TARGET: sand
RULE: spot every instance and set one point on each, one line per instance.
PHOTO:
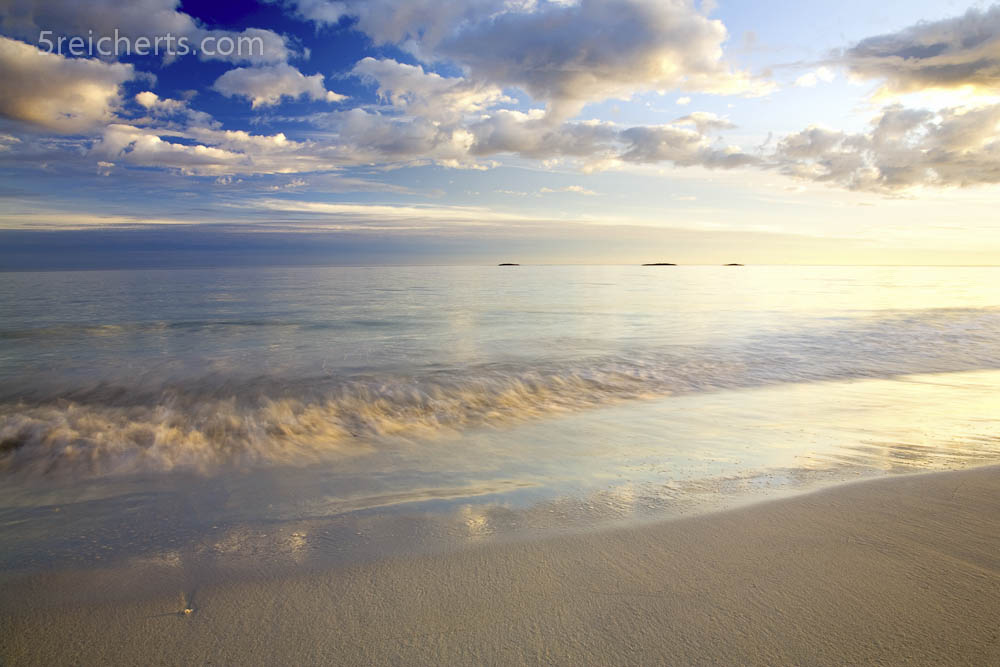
(902, 570)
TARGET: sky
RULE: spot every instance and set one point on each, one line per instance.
(478, 131)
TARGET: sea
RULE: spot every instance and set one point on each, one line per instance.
(241, 422)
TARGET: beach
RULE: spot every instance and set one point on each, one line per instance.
(493, 332)
(902, 570)
(465, 465)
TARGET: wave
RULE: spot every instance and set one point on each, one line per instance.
(210, 422)
(187, 430)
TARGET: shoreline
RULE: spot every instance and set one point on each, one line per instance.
(898, 569)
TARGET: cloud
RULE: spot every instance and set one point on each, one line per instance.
(574, 189)
(206, 151)
(65, 95)
(412, 90)
(682, 146)
(364, 137)
(905, 149)
(705, 122)
(811, 79)
(532, 135)
(595, 145)
(370, 216)
(268, 85)
(146, 148)
(399, 21)
(169, 114)
(683, 101)
(565, 54)
(368, 137)
(8, 141)
(152, 102)
(133, 19)
(953, 53)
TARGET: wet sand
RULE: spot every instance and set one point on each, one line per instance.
(903, 570)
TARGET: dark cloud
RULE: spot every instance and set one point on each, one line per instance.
(956, 52)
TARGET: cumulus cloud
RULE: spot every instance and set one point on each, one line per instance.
(169, 113)
(905, 148)
(399, 21)
(566, 54)
(134, 19)
(412, 90)
(366, 137)
(358, 138)
(211, 151)
(369, 137)
(532, 135)
(66, 95)
(682, 146)
(910, 148)
(146, 148)
(268, 85)
(151, 101)
(686, 142)
(571, 54)
(953, 53)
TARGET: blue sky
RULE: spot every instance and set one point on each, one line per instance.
(569, 131)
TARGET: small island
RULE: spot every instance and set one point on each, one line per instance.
(660, 264)
(508, 264)
(732, 265)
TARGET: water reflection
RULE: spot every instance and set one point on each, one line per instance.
(677, 456)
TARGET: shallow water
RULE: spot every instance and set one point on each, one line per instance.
(287, 417)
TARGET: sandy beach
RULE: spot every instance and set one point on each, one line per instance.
(902, 570)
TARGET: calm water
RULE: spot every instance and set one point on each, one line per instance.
(293, 416)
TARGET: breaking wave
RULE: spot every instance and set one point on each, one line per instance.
(202, 432)
(207, 423)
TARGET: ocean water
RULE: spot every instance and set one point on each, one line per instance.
(285, 417)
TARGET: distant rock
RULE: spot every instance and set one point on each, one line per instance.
(660, 264)
(732, 265)
(508, 264)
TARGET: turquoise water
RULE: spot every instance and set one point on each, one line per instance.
(299, 415)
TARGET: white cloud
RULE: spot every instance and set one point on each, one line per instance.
(8, 141)
(266, 86)
(163, 112)
(811, 79)
(365, 137)
(67, 95)
(905, 149)
(683, 101)
(209, 151)
(412, 90)
(152, 102)
(573, 189)
(350, 215)
(565, 54)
